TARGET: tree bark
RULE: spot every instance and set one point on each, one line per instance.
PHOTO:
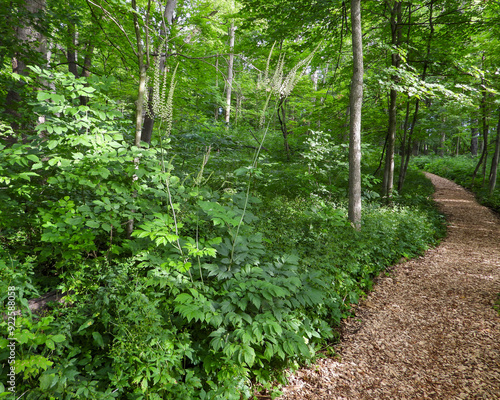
(87, 62)
(474, 140)
(403, 172)
(494, 162)
(405, 149)
(388, 180)
(441, 144)
(230, 73)
(169, 11)
(71, 53)
(282, 119)
(484, 153)
(149, 120)
(149, 117)
(216, 111)
(31, 40)
(356, 102)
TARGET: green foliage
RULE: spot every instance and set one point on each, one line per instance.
(224, 281)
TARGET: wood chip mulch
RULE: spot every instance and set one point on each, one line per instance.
(429, 330)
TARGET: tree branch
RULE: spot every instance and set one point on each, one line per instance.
(108, 14)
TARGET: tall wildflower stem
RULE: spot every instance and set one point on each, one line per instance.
(281, 86)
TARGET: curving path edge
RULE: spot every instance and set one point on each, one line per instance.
(429, 331)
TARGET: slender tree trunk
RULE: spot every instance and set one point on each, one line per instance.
(87, 63)
(149, 120)
(388, 180)
(403, 172)
(139, 109)
(142, 61)
(415, 149)
(149, 117)
(33, 43)
(281, 112)
(169, 13)
(216, 111)
(494, 162)
(405, 149)
(356, 102)
(486, 134)
(230, 73)
(71, 53)
(441, 144)
(405, 144)
(484, 153)
(474, 140)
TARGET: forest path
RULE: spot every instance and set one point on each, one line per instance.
(429, 331)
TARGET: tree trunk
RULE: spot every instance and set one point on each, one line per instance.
(415, 151)
(282, 119)
(494, 162)
(71, 53)
(142, 61)
(216, 111)
(356, 102)
(441, 144)
(149, 120)
(33, 42)
(405, 149)
(139, 108)
(474, 140)
(149, 117)
(484, 152)
(33, 39)
(230, 73)
(87, 62)
(402, 173)
(388, 180)
(169, 11)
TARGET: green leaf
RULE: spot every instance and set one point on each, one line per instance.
(144, 384)
(106, 227)
(85, 325)
(47, 381)
(52, 144)
(183, 298)
(88, 90)
(248, 354)
(269, 352)
(27, 175)
(98, 339)
(50, 344)
(92, 224)
(32, 157)
(41, 96)
(58, 338)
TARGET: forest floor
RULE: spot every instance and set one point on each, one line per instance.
(429, 330)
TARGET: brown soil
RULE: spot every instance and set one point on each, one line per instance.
(429, 331)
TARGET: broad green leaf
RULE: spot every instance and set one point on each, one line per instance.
(58, 338)
(92, 224)
(41, 96)
(98, 338)
(47, 381)
(85, 325)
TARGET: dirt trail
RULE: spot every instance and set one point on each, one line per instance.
(429, 331)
